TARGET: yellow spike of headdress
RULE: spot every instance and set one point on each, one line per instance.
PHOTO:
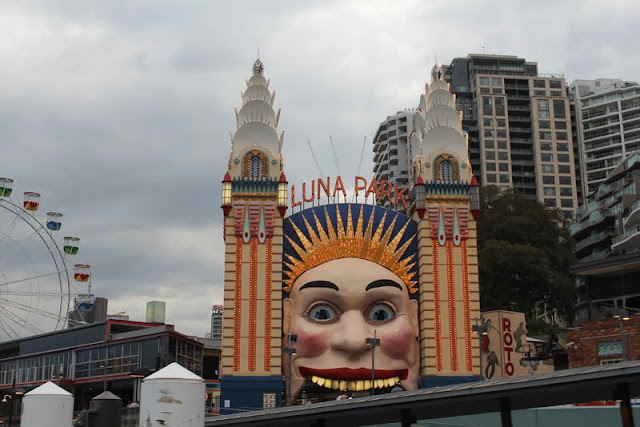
(327, 244)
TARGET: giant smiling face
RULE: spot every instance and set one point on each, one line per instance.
(333, 308)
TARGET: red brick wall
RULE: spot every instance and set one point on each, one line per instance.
(583, 348)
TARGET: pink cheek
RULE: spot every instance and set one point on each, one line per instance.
(311, 344)
(397, 343)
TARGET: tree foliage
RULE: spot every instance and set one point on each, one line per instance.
(524, 252)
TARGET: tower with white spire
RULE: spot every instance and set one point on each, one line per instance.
(446, 206)
(254, 201)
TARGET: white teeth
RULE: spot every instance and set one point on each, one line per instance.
(357, 385)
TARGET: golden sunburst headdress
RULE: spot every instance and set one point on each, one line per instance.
(322, 243)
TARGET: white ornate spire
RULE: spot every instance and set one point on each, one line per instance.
(257, 122)
(438, 129)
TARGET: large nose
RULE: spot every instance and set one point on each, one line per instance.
(351, 337)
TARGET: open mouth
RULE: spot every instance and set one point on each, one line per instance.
(354, 379)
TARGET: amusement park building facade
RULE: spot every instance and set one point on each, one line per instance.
(303, 294)
(103, 355)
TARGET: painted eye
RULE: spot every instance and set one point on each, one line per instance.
(381, 312)
(322, 313)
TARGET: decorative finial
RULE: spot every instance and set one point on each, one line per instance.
(258, 68)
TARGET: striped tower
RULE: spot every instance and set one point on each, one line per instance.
(446, 208)
(254, 198)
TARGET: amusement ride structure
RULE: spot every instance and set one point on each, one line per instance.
(40, 285)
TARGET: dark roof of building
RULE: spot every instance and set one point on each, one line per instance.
(603, 382)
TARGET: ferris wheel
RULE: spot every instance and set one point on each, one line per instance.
(41, 289)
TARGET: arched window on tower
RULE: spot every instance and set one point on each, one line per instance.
(446, 171)
(445, 168)
(255, 167)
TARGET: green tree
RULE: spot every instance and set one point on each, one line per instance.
(524, 252)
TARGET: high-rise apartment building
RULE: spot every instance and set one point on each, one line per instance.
(519, 129)
(391, 152)
(216, 322)
(607, 125)
(518, 124)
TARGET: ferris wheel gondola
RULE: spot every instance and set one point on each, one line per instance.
(37, 284)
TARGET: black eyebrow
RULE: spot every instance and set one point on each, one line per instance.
(319, 284)
(382, 282)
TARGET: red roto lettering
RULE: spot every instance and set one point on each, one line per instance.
(507, 339)
(508, 368)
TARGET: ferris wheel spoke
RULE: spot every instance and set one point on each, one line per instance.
(31, 309)
(19, 248)
(8, 329)
(34, 277)
(24, 323)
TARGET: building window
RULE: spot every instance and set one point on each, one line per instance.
(549, 191)
(555, 84)
(446, 168)
(255, 168)
(562, 147)
(499, 106)
(550, 203)
(545, 135)
(491, 167)
(484, 81)
(504, 178)
(487, 106)
(565, 180)
(562, 136)
(544, 124)
(254, 165)
(502, 145)
(538, 83)
(488, 122)
(488, 143)
(501, 123)
(558, 109)
(566, 191)
(566, 203)
(561, 124)
(543, 108)
(564, 158)
(496, 81)
(546, 157)
(503, 155)
(564, 169)
(545, 146)
(504, 167)
(488, 133)
(547, 168)
(501, 133)
(546, 179)
(490, 155)
(491, 178)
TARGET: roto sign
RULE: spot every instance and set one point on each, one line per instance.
(507, 347)
(381, 189)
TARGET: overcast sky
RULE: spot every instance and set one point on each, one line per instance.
(119, 111)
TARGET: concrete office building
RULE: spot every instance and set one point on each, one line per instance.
(519, 128)
(391, 152)
(607, 125)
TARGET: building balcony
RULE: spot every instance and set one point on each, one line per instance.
(633, 218)
(594, 239)
(596, 256)
(516, 129)
(628, 242)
